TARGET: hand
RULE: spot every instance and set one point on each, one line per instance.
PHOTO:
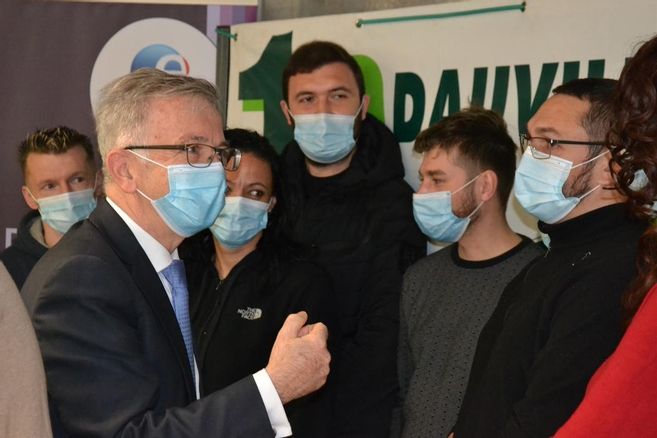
(299, 361)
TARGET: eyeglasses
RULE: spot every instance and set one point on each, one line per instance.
(199, 154)
(541, 147)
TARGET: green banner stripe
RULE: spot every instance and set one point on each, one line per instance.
(373, 85)
(253, 105)
(520, 7)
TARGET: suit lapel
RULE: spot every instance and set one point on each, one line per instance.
(147, 281)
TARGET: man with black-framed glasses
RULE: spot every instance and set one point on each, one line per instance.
(199, 154)
(109, 303)
(559, 319)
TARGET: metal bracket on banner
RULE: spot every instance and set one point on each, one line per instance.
(364, 22)
(225, 34)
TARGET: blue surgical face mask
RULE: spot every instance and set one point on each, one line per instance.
(61, 211)
(325, 138)
(433, 214)
(539, 186)
(239, 221)
(196, 195)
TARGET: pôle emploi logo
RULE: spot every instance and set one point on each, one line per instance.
(162, 57)
(163, 43)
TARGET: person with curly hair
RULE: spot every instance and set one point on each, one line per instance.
(621, 398)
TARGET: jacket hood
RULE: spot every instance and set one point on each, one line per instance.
(25, 251)
(24, 239)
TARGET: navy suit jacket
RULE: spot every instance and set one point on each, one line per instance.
(114, 356)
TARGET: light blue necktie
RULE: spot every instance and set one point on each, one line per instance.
(175, 275)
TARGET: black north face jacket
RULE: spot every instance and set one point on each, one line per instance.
(358, 225)
(235, 320)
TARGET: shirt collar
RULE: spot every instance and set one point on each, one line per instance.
(157, 254)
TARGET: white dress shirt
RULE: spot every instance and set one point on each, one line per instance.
(160, 258)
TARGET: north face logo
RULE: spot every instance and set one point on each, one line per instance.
(250, 313)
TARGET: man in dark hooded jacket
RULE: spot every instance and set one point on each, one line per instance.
(60, 176)
(351, 209)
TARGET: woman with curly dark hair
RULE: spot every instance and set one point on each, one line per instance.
(621, 398)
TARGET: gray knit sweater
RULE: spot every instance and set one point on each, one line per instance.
(444, 305)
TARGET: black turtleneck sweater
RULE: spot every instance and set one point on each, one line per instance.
(556, 322)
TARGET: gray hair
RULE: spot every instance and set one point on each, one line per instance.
(123, 104)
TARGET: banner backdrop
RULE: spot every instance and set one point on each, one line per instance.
(418, 71)
(56, 54)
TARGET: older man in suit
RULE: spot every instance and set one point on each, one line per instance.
(109, 303)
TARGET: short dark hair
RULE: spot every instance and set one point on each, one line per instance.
(315, 54)
(600, 94)
(56, 140)
(250, 142)
(483, 143)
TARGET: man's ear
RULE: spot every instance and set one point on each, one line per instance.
(121, 170)
(605, 177)
(487, 185)
(286, 112)
(99, 190)
(27, 197)
(365, 107)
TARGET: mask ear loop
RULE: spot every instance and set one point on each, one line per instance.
(475, 210)
(466, 184)
(270, 204)
(592, 159)
(154, 162)
(360, 107)
(147, 159)
(589, 192)
(29, 192)
(585, 162)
